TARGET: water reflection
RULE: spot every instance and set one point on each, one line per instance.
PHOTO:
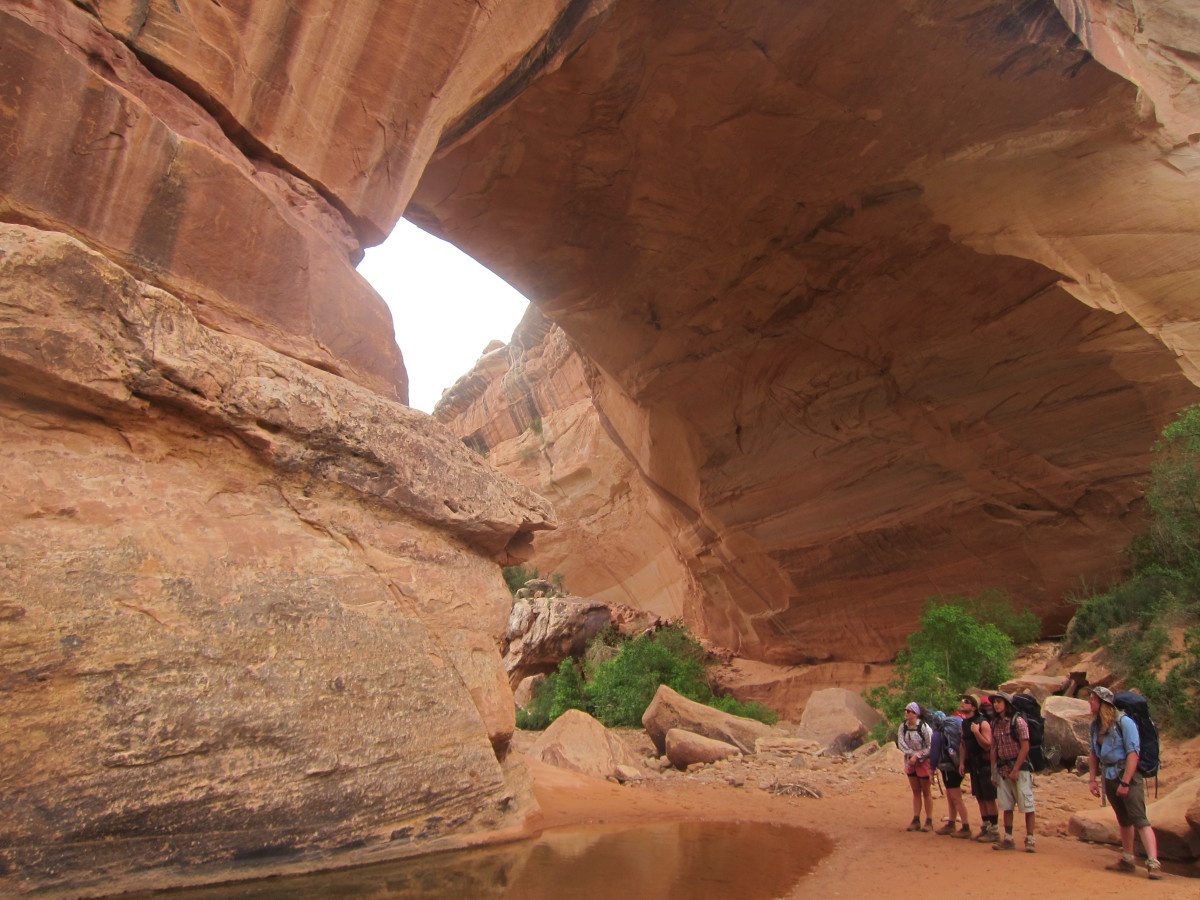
(672, 861)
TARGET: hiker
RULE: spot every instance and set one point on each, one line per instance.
(1012, 772)
(914, 739)
(976, 759)
(1116, 745)
(946, 758)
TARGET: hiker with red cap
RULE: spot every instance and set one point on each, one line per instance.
(976, 759)
(1116, 745)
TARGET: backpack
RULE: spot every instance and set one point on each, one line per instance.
(950, 729)
(1025, 706)
(1137, 708)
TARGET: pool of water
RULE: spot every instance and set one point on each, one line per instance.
(668, 861)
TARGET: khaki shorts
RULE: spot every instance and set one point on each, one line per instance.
(1017, 796)
(1130, 809)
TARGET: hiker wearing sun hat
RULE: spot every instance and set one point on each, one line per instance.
(1011, 771)
(1115, 746)
(915, 738)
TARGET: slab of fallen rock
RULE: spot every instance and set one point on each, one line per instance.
(1177, 839)
(543, 631)
(577, 741)
(669, 709)
(837, 719)
(1040, 686)
(1068, 725)
(683, 748)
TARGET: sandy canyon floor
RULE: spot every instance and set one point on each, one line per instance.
(865, 809)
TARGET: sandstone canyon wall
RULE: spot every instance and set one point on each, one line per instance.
(528, 406)
(250, 603)
(819, 265)
(883, 300)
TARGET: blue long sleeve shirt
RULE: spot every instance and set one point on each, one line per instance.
(1118, 742)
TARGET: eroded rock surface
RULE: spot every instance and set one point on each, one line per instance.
(249, 609)
(827, 264)
(529, 406)
(821, 268)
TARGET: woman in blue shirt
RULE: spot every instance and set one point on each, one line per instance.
(1115, 747)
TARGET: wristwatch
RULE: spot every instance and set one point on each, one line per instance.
(1125, 783)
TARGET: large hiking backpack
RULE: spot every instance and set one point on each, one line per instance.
(1027, 707)
(950, 728)
(1137, 708)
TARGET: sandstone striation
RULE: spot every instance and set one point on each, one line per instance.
(249, 609)
(529, 407)
(826, 266)
(853, 303)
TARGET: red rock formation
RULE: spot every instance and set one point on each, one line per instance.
(243, 600)
(529, 407)
(826, 264)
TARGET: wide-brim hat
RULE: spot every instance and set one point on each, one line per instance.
(1000, 695)
(1104, 695)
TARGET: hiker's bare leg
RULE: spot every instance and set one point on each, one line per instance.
(954, 799)
(914, 784)
(1149, 841)
(1029, 823)
(1127, 840)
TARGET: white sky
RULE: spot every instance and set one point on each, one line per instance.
(446, 307)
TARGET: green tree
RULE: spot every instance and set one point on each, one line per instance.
(950, 652)
(1173, 495)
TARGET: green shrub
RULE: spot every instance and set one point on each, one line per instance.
(536, 716)
(569, 691)
(620, 677)
(1161, 590)
(621, 688)
(949, 653)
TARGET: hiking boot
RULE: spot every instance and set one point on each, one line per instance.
(1030, 844)
(964, 833)
(1154, 869)
(1123, 865)
(915, 824)
(928, 825)
(948, 828)
(988, 834)
(1004, 843)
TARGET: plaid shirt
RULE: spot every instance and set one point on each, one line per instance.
(1002, 739)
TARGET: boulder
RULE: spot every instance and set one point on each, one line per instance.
(1096, 825)
(1177, 838)
(577, 741)
(1193, 813)
(684, 748)
(1090, 670)
(524, 691)
(670, 710)
(1040, 686)
(837, 719)
(543, 631)
(1068, 723)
